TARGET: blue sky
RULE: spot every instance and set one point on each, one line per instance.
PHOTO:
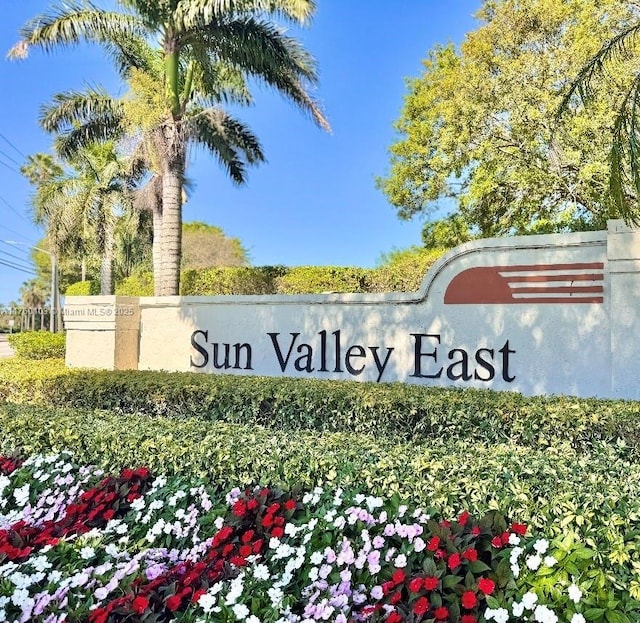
(314, 202)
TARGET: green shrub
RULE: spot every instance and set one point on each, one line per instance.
(393, 410)
(230, 280)
(139, 284)
(403, 271)
(38, 344)
(83, 288)
(319, 279)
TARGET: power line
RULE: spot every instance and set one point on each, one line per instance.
(15, 257)
(13, 232)
(4, 164)
(6, 140)
(22, 270)
(8, 157)
(16, 248)
(11, 207)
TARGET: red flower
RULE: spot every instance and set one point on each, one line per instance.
(468, 618)
(199, 593)
(290, 505)
(252, 504)
(394, 617)
(454, 561)
(239, 508)
(127, 474)
(238, 561)
(387, 587)
(274, 508)
(469, 600)
(398, 576)
(441, 613)
(277, 532)
(476, 531)
(504, 537)
(267, 521)
(108, 514)
(464, 517)
(173, 603)
(416, 584)
(140, 604)
(433, 544)
(245, 550)
(496, 541)
(421, 606)
(247, 536)
(395, 598)
(431, 583)
(486, 585)
(470, 554)
(519, 528)
(142, 472)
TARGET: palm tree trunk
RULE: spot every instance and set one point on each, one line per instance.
(106, 263)
(157, 250)
(171, 239)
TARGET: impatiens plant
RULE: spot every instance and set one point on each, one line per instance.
(134, 547)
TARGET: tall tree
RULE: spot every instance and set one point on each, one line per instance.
(201, 43)
(479, 125)
(79, 205)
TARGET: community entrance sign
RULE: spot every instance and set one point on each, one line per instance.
(552, 314)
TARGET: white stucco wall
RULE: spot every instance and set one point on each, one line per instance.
(553, 314)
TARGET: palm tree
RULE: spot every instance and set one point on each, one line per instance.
(80, 206)
(612, 61)
(34, 296)
(205, 46)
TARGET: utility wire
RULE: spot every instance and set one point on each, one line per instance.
(6, 140)
(11, 159)
(13, 232)
(15, 257)
(4, 164)
(11, 265)
(12, 208)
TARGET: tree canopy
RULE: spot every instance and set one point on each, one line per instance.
(479, 126)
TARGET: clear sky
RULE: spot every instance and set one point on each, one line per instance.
(314, 202)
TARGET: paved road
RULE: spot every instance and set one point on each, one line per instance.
(5, 349)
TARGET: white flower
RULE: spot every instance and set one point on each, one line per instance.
(518, 609)
(400, 561)
(577, 618)
(514, 539)
(550, 561)
(275, 595)
(500, 615)
(240, 611)
(533, 562)
(261, 572)
(86, 553)
(419, 544)
(542, 614)
(541, 546)
(316, 558)
(529, 600)
(575, 594)
(253, 619)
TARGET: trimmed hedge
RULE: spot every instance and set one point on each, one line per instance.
(558, 488)
(393, 410)
(37, 344)
(404, 274)
(83, 288)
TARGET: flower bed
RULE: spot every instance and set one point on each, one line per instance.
(79, 545)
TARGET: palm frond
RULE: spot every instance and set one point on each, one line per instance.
(73, 108)
(231, 141)
(625, 155)
(620, 47)
(72, 22)
(262, 51)
(129, 52)
(191, 14)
